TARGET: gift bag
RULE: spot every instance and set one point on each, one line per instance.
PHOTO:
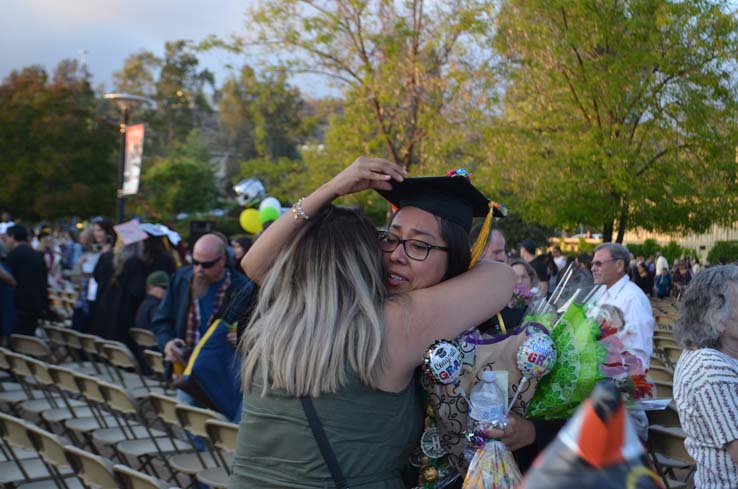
(213, 373)
(450, 401)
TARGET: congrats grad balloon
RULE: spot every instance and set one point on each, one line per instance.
(442, 362)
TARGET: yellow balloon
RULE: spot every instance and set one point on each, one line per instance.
(250, 221)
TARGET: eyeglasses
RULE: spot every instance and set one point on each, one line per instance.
(206, 264)
(598, 263)
(414, 248)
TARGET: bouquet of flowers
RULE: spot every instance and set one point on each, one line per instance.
(588, 350)
(522, 296)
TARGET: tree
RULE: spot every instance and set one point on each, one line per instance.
(181, 182)
(619, 112)
(180, 92)
(260, 117)
(56, 157)
(138, 75)
(412, 73)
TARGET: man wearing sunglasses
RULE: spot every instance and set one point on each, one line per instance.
(610, 268)
(197, 295)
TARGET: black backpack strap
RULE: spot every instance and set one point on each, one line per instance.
(323, 445)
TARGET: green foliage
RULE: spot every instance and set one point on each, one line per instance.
(57, 158)
(415, 75)
(260, 117)
(727, 249)
(585, 247)
(517, 230)
(176, 85)
(181, 182)
(616, 112)
(672, 251)
(648, 248)
(283, 178)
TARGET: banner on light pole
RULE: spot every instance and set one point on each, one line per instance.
(134, 155)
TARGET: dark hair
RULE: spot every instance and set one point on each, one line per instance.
(457, 241)
(107, 226)
(244, 242)
(18, 233)
(153, 249)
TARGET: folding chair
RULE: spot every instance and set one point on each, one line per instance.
(7, 379)
(85, 419)
(657, 361)
(666, 446)
(142, 441)
(98, 364)
(122, 359)
(109, 428)
(660, 373)
(155, 361)
(32, 396)
(50, 448)
(73, 344)
(57, 343)
(133, 479)
(144, 338)
(664, 389)
(14, 435)
(668, 417)
(223, 437)
(60, 406)
(192, 420)
(672, 355)
(30, 346)
(95, 471)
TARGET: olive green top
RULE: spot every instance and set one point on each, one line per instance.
(372, 433)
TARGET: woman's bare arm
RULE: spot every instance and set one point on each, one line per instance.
(364, 173)
(443, 312)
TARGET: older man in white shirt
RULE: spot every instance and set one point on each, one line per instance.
(609, 268)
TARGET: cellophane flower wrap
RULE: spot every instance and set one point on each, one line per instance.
(576, 371)
(588, 350)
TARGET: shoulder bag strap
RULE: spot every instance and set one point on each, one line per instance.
(323, 445)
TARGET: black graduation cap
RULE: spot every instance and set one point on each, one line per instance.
(452, 197)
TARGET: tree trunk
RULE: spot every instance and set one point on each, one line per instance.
(622, 224)
(607, 231)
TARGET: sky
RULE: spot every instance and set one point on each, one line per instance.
(43, 32)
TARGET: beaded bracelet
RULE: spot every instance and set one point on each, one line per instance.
(298, 212)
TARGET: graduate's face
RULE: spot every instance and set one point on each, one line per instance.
(405, 274)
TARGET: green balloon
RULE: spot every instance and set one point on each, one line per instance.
(268, 214)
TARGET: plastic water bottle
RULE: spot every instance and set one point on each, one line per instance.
(487, 408)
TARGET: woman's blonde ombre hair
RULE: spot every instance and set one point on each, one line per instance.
(320, 310)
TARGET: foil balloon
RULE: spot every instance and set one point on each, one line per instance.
(536, 356)
(442, 362)
(249, 191)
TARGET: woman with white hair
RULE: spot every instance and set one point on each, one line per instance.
(706, 376)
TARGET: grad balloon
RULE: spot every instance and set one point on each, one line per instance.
(250, 222)
(268, 214)
(249, 191)
(270, 202)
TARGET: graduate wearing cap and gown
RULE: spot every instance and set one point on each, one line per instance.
(372, 430)
(453, 202)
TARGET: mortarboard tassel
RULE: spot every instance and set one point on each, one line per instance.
(481, 241)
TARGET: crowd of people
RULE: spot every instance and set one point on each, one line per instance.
(332, 318)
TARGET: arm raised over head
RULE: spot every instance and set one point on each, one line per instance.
(364, 173)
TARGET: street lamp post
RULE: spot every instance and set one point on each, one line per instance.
(126, 103)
